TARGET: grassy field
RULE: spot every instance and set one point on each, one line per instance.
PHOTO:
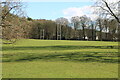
(60, 59)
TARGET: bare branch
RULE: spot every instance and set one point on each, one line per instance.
(104, 9)
(3, 17)
(112, 13)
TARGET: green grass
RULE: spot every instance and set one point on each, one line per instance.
(31, 58)
(59, 69)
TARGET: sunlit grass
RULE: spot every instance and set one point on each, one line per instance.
(59, 69)
(60, 59)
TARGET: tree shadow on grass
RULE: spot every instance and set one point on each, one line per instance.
(75, 56)
(63, 47)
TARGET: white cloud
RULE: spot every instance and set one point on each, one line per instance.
(79, 11)
(56, 0)
(73, 11)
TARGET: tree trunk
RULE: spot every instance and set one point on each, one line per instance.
(100, 26)
(100, 34)
(92, 33)
(83, 31)
(119, 32)
(56, 32)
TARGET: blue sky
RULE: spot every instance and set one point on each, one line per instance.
(54, 10)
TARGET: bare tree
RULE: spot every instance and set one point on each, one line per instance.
(112, 29)
(105, 23)
(109, 6)
(11, 9)
(60, 22)
(76, 23)
(84, 21)
(101, 27)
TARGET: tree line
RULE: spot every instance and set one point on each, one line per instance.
(80, 28)
(15, 26)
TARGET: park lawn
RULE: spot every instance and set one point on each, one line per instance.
(29, 58)
(59, 69)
